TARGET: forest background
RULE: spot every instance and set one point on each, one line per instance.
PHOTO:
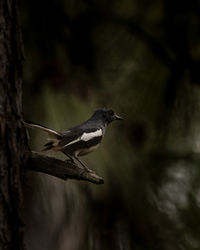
(142, 59)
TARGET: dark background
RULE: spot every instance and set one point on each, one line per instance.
(142, 59)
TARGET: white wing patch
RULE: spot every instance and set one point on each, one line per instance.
(72, 142)
(86, 137)
(91, 135)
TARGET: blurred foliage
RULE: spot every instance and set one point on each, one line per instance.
(142, 59)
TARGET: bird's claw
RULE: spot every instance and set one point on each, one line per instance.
(71, 163)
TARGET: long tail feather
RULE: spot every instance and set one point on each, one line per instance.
(48, 146)
(52, 133)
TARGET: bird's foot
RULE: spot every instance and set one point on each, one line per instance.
(83, 165)
(71, 163)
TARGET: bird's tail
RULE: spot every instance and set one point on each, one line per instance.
(53, 135)
(48, 146)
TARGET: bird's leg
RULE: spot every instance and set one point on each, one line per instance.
(71, 160)
(70, 157)
(86, 168)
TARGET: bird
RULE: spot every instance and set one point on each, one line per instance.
(81, 139)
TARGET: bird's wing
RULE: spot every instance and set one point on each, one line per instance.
(78, 134)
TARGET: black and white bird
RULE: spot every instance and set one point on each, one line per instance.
(81, 139)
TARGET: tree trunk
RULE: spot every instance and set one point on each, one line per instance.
(12, 134)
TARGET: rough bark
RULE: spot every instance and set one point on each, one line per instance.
(13, 141)
(12, 133)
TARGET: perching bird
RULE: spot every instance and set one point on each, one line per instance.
(81, 139)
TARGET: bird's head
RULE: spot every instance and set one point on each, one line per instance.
(106, 115)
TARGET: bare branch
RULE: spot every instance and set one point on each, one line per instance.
(61, 169)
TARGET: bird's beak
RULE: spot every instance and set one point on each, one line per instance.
(117, 117)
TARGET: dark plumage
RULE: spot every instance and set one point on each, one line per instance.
(81, 139)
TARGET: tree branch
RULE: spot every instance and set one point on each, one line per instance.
(61, 169)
